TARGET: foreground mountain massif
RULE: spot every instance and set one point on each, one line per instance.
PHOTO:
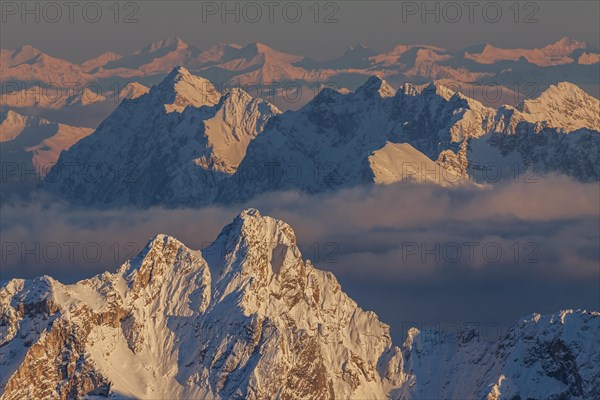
(248, 317)
(183, 143)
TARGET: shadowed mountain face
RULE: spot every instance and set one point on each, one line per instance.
(173, 145)
(185, 144)
(248, 317)
(29, 147)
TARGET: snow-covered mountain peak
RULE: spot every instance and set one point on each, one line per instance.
(429, 89)
(359, 50)
(254, 332)
(100, 61)
(12, 122)
(441, 90)
(218, 52)
(267, 54)
(261, 47)
(179, 73)
(250, 227)
(236, 95)
(269, 326)
(564, 106)
(158, 261)
(252, 255)
(409, 89)
(85, 98)
(563, 90)
(376, 86)
(182, 131)
(171, 43)
(24, 53)
(238, 101)
(401, 162)
(133, 90)
(568, 44)
(180, 88)
(159, 243)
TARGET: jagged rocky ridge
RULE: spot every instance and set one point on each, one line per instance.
(247, 317)
(184, 143)
(330, 140)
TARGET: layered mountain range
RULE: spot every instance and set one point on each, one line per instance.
(184, 143)
(291, 80)
(248, 317)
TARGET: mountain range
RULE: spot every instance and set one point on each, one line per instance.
(248, 317)
(291, 80)
(184, 143)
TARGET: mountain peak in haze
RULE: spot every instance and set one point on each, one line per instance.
(376, 85)
(26, 50)
(357, 48)
(171, 43)
(564, 106)
(133, 90)
(558, 53)
(567, 42)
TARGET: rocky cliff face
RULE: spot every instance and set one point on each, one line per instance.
(248, 317)
(244, 318)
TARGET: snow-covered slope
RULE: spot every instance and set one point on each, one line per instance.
(541, 357)
(400, 162)
(171, 146)
(248, 317)
(329, 143)
(564, 106)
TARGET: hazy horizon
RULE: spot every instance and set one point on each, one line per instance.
(343, 24)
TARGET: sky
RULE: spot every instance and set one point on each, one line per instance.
(320, 32)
